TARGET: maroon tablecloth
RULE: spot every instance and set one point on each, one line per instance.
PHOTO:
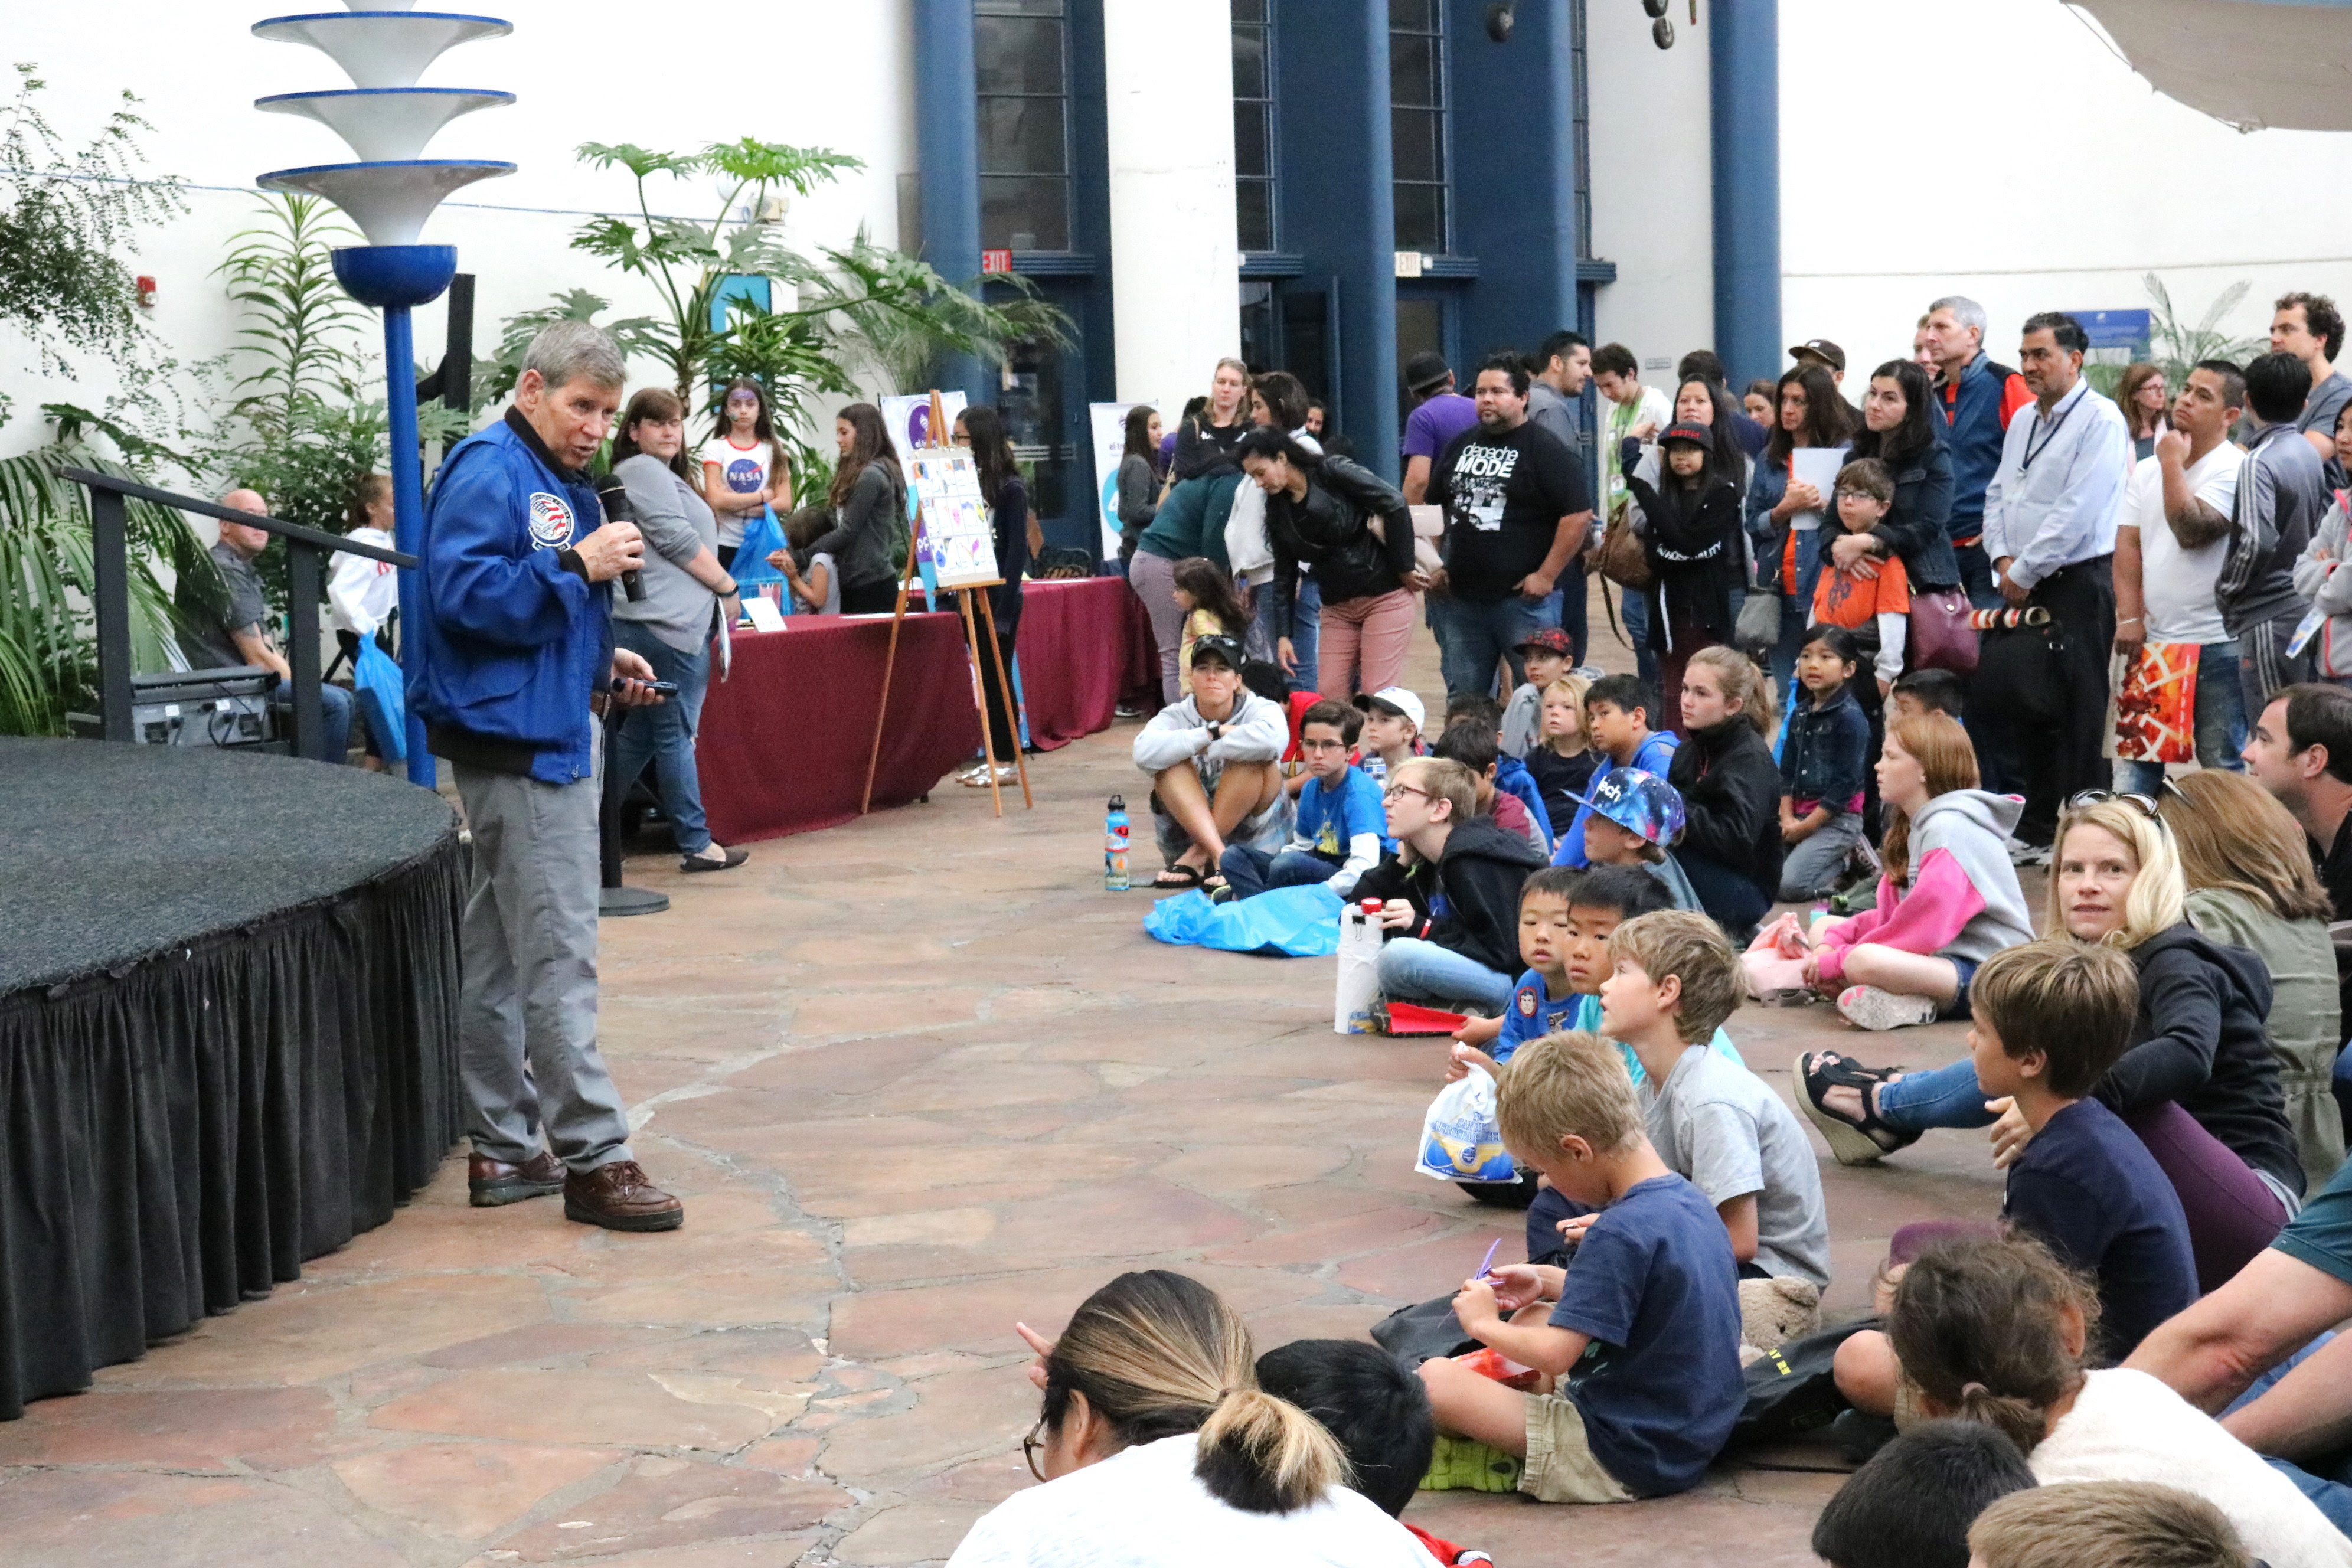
(1085, 644)
(783, 742)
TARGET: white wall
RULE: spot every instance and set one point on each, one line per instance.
(814, 74)
(1999, 148)
(1653, 207)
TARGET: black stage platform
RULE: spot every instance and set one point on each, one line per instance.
(228, 1000)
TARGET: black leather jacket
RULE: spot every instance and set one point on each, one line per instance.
(1329, 532)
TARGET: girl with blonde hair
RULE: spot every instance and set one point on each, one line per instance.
(2200, 1083)
(1730, 847)
(1947, 899)
(1156, 1446)
(2250, 884)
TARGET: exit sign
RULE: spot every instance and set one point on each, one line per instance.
(996, 261)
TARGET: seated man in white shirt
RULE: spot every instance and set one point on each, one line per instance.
(2169, 547)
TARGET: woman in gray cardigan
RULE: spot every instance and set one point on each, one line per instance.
(686, 592)
(870, 494)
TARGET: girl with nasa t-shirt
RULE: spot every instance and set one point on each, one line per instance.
(743, 465)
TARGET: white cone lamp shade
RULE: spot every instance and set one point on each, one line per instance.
(390, 201)
(385, 124)
(382, 49)
(380, 5)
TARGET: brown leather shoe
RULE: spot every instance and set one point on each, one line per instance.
(619, 1197)
(490, 1183)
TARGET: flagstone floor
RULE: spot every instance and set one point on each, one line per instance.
(918, 1077)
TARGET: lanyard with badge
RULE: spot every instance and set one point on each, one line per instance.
(2026, 465)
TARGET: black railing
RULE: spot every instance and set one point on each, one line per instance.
(109, 555)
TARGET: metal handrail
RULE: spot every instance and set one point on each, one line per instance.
(110, 595)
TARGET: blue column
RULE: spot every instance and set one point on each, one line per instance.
(1331, 100)
(1744, 90)
(407, 509)
(946, 140)
(1516, 215)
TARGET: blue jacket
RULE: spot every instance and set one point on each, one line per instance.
(1511, 776)
(1766, 538)
(1977, 434)
(1826, 749)
(514, 638)
(1655, 755)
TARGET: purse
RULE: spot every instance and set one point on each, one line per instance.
(1625, 560)
(1758, 630)
(1943, 635)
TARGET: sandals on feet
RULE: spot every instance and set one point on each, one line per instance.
(1186, 878)
(1856, 1140)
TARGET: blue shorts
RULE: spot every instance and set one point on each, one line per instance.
(1966, 967)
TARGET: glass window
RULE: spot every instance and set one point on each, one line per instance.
(1417, 123)
(1252, 126)
(1021, 78)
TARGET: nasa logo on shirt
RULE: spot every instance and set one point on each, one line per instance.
(745, 475)
(1526, 1001)
(551, 522)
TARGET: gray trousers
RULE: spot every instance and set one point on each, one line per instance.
(1811, 870)
(527, 1027)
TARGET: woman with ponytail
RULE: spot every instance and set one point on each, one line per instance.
(1158, 1448)
(1994, 1330)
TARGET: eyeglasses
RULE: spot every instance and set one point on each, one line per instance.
(1397, 792)
(1034, 1445)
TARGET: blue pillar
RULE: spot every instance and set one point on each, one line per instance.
(1338, 212)
(946, 142)
(407, 509)
(1744, 93)
(1516, 215)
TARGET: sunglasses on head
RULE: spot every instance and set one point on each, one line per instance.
(2146, 804)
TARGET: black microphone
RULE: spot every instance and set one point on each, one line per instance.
(618, 509)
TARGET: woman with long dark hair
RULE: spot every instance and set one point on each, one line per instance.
(1139, 479)
(743, 466)
(869, 492)
(1901, 429)
(1318, 513)
(687, 591)
(1809, 414)
(981, 428)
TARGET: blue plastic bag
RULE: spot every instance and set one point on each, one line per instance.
(761, 538)
(377, 683)
(1287, 922)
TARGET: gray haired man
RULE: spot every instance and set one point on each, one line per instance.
(519, 664)
(1979, 399)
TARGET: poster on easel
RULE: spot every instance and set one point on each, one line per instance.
(909, 421)
(956, 535)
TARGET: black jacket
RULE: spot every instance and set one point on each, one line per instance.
(1329, 532)
(1480, 874)
(1693, 546)
(2212, 1050)
(1731, 801)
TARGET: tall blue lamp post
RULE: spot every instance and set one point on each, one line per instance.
(387, 120)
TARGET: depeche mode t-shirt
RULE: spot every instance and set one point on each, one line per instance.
(1504, 493)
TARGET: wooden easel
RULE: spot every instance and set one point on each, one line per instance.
(966, 595)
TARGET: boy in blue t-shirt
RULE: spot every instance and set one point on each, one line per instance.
(1617, 711)
(2084, 1185)
(1641, 1328)
(1336, 835)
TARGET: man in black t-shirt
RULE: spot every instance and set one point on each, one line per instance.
(1517, 508)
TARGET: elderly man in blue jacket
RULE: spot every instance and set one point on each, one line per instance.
(515, 625)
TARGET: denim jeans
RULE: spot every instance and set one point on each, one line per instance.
(1249, 872)
(664, 734)
(334, 741)
(1634, 611)
(1940, 1097)
(1976, 576)
(1568, 607)
(1473, 636)
(2326, 1479)
(2220, 721)
(1811, 870)
(1412, 970)
(1797, 608)
(1306, 623)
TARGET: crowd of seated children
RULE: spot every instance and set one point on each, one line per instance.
(1546, 655)
(1618, 710)
(1470, 741)
(1337, 826)
(1653, 1279)
(1393, 720)
(1561, 762)
(1948, 898)
(1824, 758)
(1213, 758)
(1204, 593)
(1450, 896)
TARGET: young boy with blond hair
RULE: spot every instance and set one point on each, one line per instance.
(1649, 1292)
(1673, 979)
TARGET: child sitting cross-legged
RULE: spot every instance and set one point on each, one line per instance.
(1393, 717)
(1450, 897)
(1377, 1410)
(1619, 714)
(1649, 1293)
(1997, 1331)
(1630, 818)
(1336, 835)
(1546, 656)
(1822, 764)
(1561, 762)
(1673, 979)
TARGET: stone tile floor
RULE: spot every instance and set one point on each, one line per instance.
(918, 1077)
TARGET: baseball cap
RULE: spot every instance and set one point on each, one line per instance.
(1822, 348)
(1697, 435)
(1425, 370)
(1551, 640)
(1396, 699)
(1639, 803)
(1223, 648)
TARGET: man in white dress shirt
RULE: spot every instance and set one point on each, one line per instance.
(2050, 529)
